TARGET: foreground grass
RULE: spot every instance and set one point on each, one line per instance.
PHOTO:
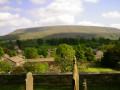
(95, 69)
(22, 87)
(100, 69)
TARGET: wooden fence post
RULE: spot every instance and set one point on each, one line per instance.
(29, 81)
(75, 75)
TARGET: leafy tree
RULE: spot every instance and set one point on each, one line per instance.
(1, 52)
(80, 54)
(90, 55)
(14, 53)
(41, 68)
(5, 66)
(42, 51)
(8, 51)
(111, 57)
(65, 54)
(40, 41)
(31, 53)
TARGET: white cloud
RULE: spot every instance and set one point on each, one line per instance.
(10, 22)
(4, 1)
(58, 7)
(58, 12)
(7, 8)
(89, 23)
(115, 25)
(38, 1)
(92, 1)
(58, 20)
(113, 14)
(19, 2)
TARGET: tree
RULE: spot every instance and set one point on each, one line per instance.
(80, 54)
(40, 41)
(1, 52)
(31, 53)
(65, 52)
(111, 57)
(89, 54)
(42, 51)
(8, 51)
(64, 56)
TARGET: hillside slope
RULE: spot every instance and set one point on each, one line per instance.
(64, 32)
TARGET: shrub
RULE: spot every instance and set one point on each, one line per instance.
(29, 66)
(5, 66)
(18, 70)
(1, 52)
(41, 68)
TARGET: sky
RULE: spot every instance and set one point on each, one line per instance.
(17, 14)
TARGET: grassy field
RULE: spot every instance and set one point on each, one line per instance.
(99, 69)
(95, 69)
(21, 87)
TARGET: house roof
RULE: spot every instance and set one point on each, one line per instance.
(16, 59)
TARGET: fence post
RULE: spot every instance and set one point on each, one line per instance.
(75, 75)
(85, 84)
(29, 81)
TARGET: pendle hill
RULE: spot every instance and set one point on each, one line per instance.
(70, 31)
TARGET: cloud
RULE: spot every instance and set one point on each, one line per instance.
(58, 7)
(89, 23)
(4, 1)
(19, 2)
(10, 22)
(113, 14)
(58, 12)
(38, 1)
(7, 8)
(92, 1)
(58, 20)
(115, 25)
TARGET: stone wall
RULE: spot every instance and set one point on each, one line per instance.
(64, 79)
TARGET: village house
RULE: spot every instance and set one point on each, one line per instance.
(16, 61)
(99, 54)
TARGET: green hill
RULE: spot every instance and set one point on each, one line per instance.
(64, 32)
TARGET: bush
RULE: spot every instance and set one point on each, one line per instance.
(18, 70)
(41, 68)
(5, 66)
(29, 66)
(1, 52)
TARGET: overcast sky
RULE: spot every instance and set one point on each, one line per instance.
(16, 14)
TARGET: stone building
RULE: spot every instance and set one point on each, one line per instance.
(16, 61)
(99, 54)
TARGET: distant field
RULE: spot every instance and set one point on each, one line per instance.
(64, 32)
